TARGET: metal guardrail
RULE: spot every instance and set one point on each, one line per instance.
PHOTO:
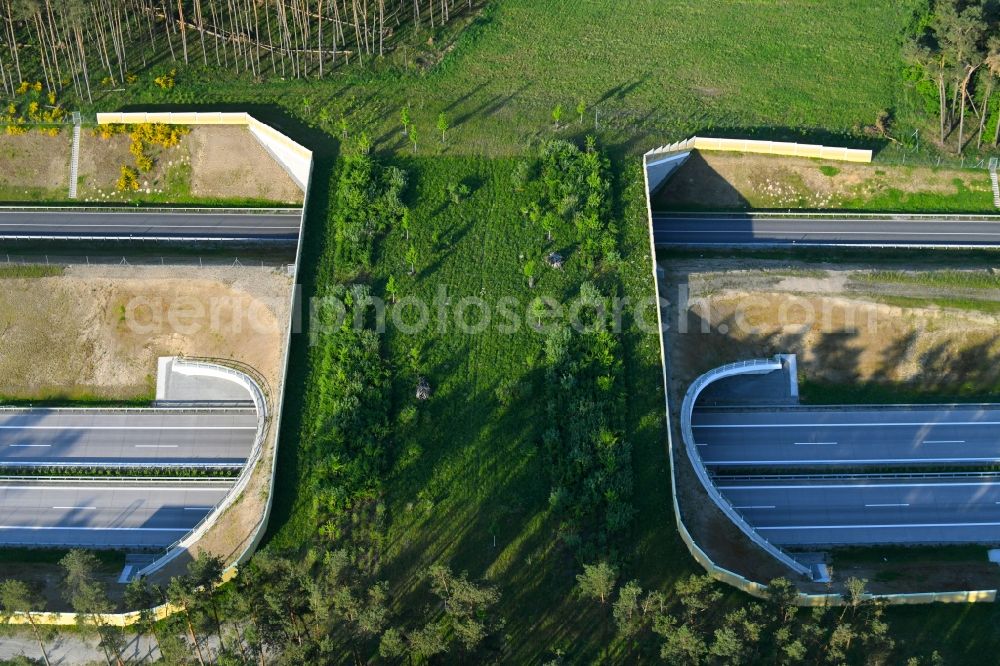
(958, 217)
(120, 467)
(117, 480)
(690, 398)
(888, 476)
(717, 572)
(138, 209)
(148, 261)
(126, 410)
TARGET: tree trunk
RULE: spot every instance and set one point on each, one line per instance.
(986, 108)
(941, 103)
(963, 92)
(170, 28)
(201, 30)
(194, 639)
(38, 637)
(180, 16)
(83, 59)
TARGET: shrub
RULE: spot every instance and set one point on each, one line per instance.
(367, 202)
(128, 181)
(166, 81)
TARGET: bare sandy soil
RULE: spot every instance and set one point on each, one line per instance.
(737, 180)
(229, 162)
(101, 161)
(97, 331)
(34, 165)
(841, 335)
(211, 162)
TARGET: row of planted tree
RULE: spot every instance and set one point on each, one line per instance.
(953, 58)
(82, 42)
(321, 609)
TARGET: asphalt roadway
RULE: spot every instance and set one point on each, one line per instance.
(883, 436)
(151, 224)
(684, 229)
(104, 514)
(158, 436)
(867, 511)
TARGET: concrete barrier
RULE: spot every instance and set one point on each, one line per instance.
(294, 158)
(788, 149)
(754, 367)
(722, 574)
(200, 368)
(165, 610)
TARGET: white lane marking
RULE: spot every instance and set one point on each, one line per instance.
(69, 427)
(865, 485)
(117, 487)
(943, 441)
(89, 508)
(815, 443)
(99, 529)
(147, 225)
(848, 460)
(807, 232)
(30, 446)
(282, 211)
(156, 446)
(889, 504)
(846, 425)
(854, 527)
(709, 216)
(756, 506)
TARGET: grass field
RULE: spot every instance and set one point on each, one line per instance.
(469, 485)
(946, 278)
(687, 70)
(823, 393)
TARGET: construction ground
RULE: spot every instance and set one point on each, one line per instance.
(928, 335)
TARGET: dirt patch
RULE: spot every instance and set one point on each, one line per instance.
(34, 165)
(210, 163)
(229, 162)
(738, 180)
(101, 161)
(841, 335)
(97, 331)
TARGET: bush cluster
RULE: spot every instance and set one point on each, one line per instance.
(590, 461)
(142, 137)
(367, 203)
(347, 428)
(32, 105)
(576, 189)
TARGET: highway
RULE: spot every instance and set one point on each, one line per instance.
(109, 514)
(685, 229)
(783, 436)
(160, 436)
(868, 511)
(151, 224)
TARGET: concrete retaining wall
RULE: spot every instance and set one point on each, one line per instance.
(787, 149)
(754, 367)
(719, 573)
(198, 368)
